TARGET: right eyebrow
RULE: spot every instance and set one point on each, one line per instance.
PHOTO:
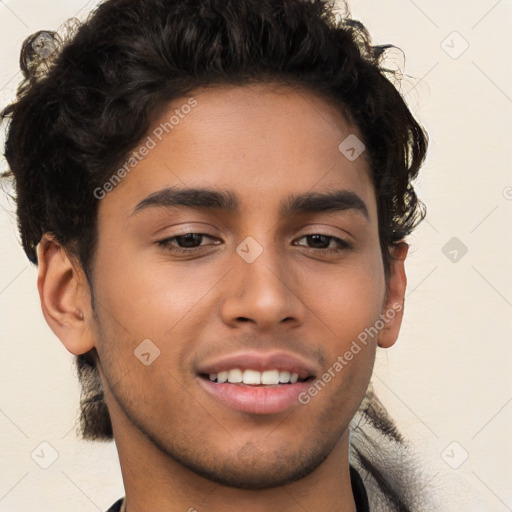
(190, 198)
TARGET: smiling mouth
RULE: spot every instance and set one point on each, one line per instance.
(267, 390)
(267, 378)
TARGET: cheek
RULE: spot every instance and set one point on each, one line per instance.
(349, 298)
(147, 296)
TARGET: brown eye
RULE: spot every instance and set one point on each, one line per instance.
(186, 243)
(322, 243)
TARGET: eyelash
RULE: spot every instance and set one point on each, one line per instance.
(166, 244)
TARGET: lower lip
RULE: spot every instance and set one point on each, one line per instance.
(256, 399)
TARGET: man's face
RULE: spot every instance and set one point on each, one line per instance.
(269, 291)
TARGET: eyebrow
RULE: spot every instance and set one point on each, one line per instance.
(206, 198)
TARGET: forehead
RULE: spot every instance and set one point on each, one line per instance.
(261, 142)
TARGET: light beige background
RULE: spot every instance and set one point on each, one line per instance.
(447, 380)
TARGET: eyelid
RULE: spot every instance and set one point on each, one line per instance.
(187, 227)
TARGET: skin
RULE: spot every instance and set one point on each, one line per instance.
(178, 447)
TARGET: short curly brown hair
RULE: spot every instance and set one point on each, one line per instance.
(85, 103)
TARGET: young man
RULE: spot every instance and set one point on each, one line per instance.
(217, 194)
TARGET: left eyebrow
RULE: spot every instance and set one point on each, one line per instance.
(337, 200)
(205, 198)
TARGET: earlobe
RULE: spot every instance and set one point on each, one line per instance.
(65, 296)
(392, 312)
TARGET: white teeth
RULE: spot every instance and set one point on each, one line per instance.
(270, 377)
(284, 377)
(235, 376)
(222, 377)
(254, 377)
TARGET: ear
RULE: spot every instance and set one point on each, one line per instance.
(392, 312)
(65, 296)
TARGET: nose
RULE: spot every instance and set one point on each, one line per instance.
(263, 289)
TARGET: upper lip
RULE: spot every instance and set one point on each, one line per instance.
(261, 361)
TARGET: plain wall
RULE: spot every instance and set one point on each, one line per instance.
(448, 379)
